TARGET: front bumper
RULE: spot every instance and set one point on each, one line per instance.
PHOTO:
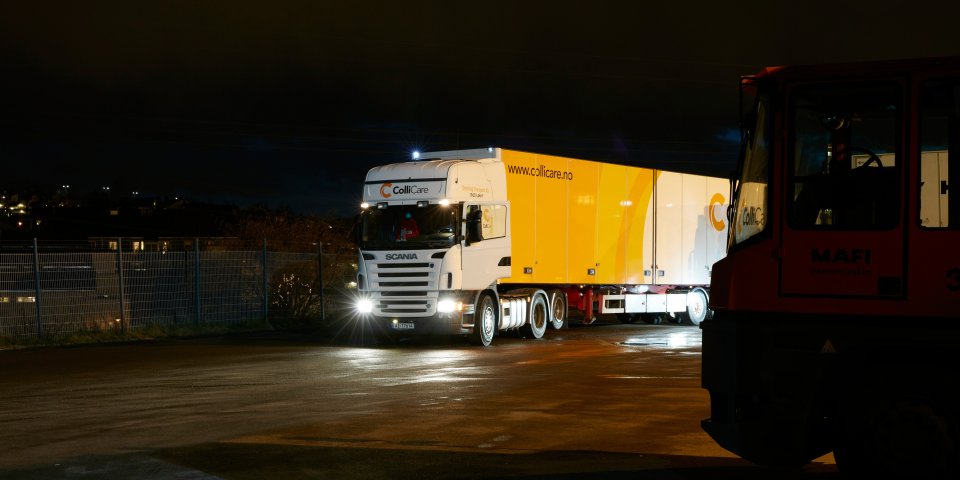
(455, 323)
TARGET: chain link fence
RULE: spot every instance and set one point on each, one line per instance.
(54, 290)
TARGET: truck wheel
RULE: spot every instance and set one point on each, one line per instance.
(537, 320)
(697, 307)
(907, 439)
(897, 415)
(628, 317)
(653, 318)
(558, 310)
(485, 321)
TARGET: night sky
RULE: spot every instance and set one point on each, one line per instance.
(289, 103)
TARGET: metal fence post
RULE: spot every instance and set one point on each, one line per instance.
(36, 281)
(123, 317)
(196, 279)
(266, 283)
(323, 312)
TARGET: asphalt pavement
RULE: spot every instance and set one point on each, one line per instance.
(603, 401)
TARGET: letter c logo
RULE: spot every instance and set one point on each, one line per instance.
(383, 188)
(716, 200)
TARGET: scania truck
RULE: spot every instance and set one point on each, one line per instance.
(837, 305)
(477, 242)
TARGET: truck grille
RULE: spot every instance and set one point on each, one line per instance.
(402, 289)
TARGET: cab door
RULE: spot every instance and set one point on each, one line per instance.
(486, 259)
(935, 236)
(844, 232)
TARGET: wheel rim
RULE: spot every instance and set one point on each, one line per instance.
(698, 308)
(540, 316)
(487, 319)
(559, 312)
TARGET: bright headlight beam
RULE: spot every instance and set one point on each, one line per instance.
(446, 306)
(364, 306)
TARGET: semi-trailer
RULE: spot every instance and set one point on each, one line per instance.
(476, 242)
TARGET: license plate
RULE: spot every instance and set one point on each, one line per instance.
(403, 326)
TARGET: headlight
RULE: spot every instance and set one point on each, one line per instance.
(446, 306)
(364, 305)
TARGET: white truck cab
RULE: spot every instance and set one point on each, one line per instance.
(422, 225)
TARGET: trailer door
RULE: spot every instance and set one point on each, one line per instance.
(843, 235)
(668, 254)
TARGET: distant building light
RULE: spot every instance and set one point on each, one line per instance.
(26, 299)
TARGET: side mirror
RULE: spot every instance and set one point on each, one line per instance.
(474, 227)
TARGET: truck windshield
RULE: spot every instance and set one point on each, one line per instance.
(408, 227)
(750, 201)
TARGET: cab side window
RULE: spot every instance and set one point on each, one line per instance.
(494, 221)
(939, 139)
(845, 172)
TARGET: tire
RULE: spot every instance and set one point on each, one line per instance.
(538, 318)
(653, 318)
(902, 440)
(485, 321)
(898, 415)
(558, 310)
(697, 308)
(628, 317)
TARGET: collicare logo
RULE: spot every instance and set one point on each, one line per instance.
(383, 190)
(717, 200)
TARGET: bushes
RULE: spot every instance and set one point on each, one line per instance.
(295, 296)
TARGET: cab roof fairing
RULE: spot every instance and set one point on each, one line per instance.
(433, 180)
(862, 69)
